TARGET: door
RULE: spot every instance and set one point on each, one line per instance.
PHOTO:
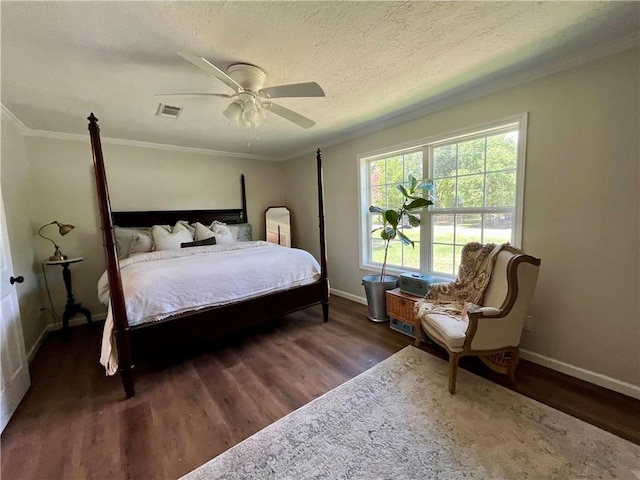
(14, 369)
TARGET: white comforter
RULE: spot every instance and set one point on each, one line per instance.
(157, 285)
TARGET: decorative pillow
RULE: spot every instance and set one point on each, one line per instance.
(202, 232)
(124, 238)
(188, 226)
(141, 243)
(222, 232)
(170, 241)
(199, 243)
(242, 232)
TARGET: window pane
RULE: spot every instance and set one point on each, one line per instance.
(395, 170)
(445, 192)
(444, 161)
(394, 197)
(443, 228)
(501, 189)
(377, 249)
(498, 227)
(471, 156)
(394, 257)
(376, 222)
(442, 258)
(412, 255)
(468, 228)
(502, 151)
(413, 165)
(377, 173)
(471, 191)
(378, 196)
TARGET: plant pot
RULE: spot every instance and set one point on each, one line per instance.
(375, 289)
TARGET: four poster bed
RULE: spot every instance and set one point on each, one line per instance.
(134, 340)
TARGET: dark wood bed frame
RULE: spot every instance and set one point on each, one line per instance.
(194, 327)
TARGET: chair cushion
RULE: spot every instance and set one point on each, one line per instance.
(451, 330)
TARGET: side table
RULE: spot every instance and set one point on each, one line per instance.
(400, 308)
(71, 308)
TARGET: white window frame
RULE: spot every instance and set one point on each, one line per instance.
(518, 121)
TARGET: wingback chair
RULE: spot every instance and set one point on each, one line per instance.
(495, 327)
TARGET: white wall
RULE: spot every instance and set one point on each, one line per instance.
(580, 212)
(16, 190)
(61, 173)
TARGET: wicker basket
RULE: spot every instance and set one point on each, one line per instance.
(401, 308)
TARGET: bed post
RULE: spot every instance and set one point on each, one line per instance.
(244, 200)
(121, 332)
(324, 276)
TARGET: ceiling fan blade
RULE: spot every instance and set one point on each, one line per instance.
(290, 115)
(211, 69)
(309, 89)
(224, 95)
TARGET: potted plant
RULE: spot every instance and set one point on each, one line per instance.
(393, 222)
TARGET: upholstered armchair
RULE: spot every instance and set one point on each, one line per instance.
(496, 326)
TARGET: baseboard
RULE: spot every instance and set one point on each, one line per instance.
(348, 296)
(586, 375)
(79, 320)
(36, 346)
(52, 327)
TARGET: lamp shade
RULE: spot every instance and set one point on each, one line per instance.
(234, 113)
(63, 229)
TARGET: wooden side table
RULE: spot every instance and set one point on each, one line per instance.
(71, 308)
(400, 307)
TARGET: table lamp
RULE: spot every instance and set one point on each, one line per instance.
(63, 229)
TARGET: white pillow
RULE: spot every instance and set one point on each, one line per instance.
(141, 243)
(202, 232)
(170, 241)
(222, 233)
(188, 226)
(241, 232)
(124, 239)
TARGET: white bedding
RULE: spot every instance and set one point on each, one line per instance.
(157, 285)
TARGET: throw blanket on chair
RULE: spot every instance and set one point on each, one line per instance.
(473, 277)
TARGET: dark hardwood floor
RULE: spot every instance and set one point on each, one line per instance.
(74, 422)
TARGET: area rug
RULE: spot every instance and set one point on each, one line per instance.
(398, 421)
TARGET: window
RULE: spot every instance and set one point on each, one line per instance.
(478, 190)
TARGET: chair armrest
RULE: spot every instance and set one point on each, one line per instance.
(484, 311)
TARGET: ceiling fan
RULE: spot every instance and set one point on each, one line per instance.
(251, 99)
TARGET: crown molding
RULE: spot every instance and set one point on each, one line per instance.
(128, 143)
(136, 143)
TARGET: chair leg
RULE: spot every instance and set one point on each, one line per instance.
(514, 359)
(417, 327)
(453, 371)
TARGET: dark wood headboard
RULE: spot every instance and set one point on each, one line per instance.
(170, 217)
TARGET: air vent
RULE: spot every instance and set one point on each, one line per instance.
(168, 111)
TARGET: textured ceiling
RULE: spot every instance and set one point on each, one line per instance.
(378, 62)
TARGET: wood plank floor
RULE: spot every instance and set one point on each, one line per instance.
(74, 423)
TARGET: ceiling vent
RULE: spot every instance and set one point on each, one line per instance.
(168, 111)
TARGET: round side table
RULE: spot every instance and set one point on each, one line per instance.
(71, 308)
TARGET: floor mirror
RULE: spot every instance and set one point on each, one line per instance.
(278, 225)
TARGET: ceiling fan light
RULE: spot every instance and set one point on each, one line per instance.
(234, 113)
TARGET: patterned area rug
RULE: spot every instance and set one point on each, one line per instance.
(398, 421)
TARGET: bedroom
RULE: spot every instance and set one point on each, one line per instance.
(583, 113)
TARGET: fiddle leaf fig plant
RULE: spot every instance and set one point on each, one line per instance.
(393, 218)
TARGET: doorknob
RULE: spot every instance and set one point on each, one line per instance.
(19, 279)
